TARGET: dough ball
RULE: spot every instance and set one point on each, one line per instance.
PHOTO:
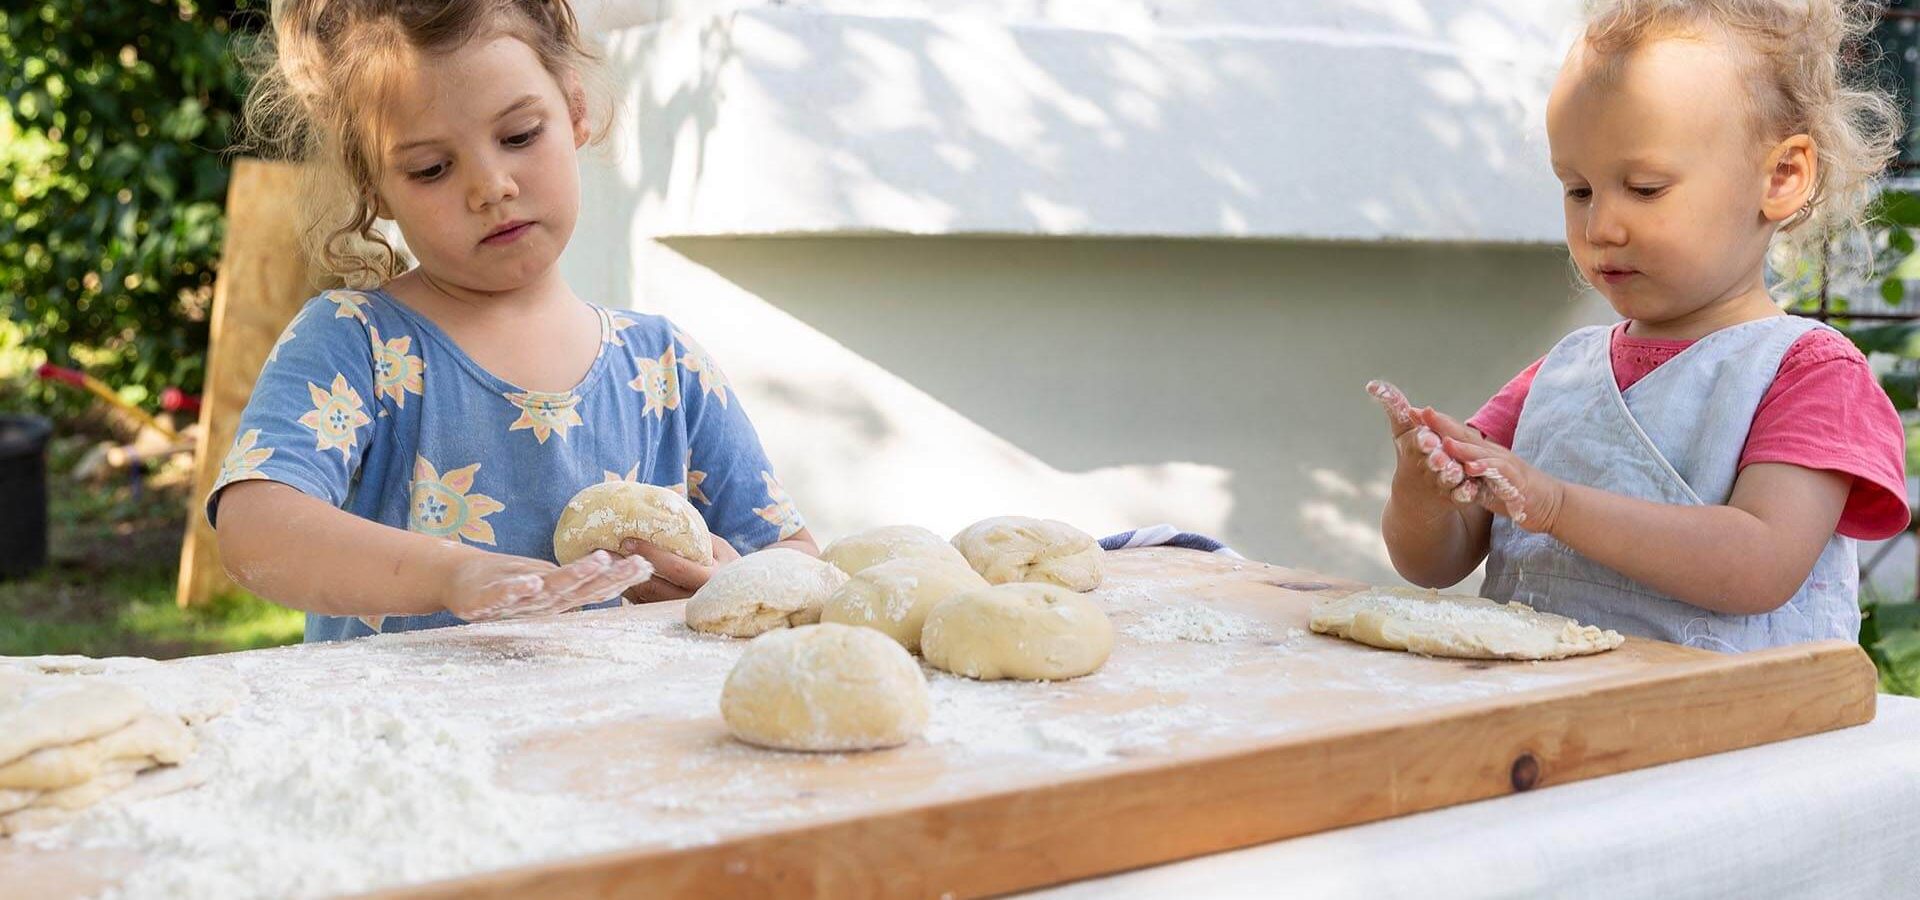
(763, 591)
(601, 516)
(894, 597)
(864, 550)
(1011, 549)
(1032, 632)
(1436, 624)
(825, 687)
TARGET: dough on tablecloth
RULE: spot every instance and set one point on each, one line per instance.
(1032, 632)
(1010, 549)
(154, 782)
(157, 738)
(894, 597)
(602, 515)
(1453, 625)
(41, 711)
(11, 799)
(866, 549)
(825, 688)
(760, 592)
(192, 690)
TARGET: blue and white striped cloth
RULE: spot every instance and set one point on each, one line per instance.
(1166, 536)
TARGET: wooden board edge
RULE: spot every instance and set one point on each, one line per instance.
(1113, 821)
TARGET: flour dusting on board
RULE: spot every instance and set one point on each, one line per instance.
(413, 757)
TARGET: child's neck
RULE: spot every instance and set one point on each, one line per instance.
(441, 300)
(1748, 305)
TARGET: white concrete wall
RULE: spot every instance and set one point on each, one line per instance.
(1212, 384)
(1359, 120)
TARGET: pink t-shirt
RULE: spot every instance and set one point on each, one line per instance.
(1823, 382)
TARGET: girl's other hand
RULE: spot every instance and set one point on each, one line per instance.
(1421, 454)
(674, 577)
(1511, 487)
(488, 586)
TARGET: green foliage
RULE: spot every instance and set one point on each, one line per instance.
(113, 117)
(1890, 632)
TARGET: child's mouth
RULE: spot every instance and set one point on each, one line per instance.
(1615, 276)
(507, 234)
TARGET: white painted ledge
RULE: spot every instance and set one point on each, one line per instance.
(1379, 121)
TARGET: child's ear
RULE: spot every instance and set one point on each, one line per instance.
(577, 110)
(1792, 169)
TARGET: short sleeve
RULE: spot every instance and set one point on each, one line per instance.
(729, 478)
(311, 415)
(1499, 417)
(1825, 410)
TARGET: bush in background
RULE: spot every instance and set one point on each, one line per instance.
(114, 115)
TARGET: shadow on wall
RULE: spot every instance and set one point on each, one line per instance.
(778, 120)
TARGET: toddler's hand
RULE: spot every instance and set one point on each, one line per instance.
(488, 586)
(674, 577)
(1420, 451)
(1512, 488)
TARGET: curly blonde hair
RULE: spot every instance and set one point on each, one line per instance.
(1811, 74)
(323, 75)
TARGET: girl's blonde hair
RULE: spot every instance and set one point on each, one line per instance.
(1811, 73)
(320, 82)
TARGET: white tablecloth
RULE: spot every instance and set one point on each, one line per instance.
(1830, 816)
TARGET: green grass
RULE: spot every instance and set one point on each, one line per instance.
(108, 589)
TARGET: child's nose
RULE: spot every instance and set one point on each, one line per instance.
(491, 187)
(1605, 227)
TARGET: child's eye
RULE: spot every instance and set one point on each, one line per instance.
(1579, 193)
(428, 174)
(1648, 192)
(524, 138)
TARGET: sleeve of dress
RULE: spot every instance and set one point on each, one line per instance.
(311, 413)
(1499, 417)
(1826, 410)
(729, 478)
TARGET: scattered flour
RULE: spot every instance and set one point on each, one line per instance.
(1193, 622)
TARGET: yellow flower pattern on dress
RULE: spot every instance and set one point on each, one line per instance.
(336, 417)
(243, 461)
(395, 374)
(632, 475)
(440, 505)
(350, 304)
(780, 509)
(690, 488)
(285, 336)
(616, 323)
(545, 413)
(712, 380)
(659, 384)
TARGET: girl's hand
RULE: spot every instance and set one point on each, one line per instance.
(1512, 488)
(1421, 454)
(488, 586)
(674, 577)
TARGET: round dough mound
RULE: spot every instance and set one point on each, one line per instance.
(1012, 549)
(1032, 632)
(825, 687)
(763, 591)
(601, 516)
(894, 597)
(864, 550)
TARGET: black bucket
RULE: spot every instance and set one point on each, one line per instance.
(23, 494)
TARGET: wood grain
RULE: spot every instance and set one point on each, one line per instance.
(1661, 703)
(264, 279)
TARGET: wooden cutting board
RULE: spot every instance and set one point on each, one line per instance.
(1218, 723)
